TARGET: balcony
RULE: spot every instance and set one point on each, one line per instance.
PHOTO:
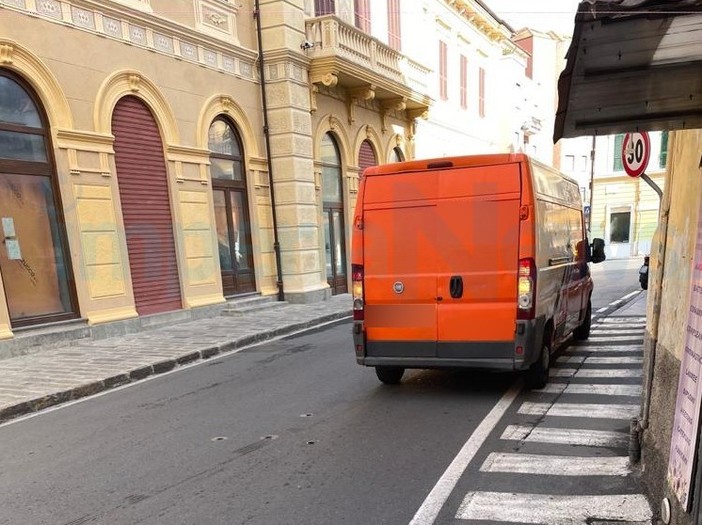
(344, 56)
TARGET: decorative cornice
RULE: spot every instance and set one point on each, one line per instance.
(132, 26)
(66, 138)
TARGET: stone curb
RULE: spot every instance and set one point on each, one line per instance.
(92, 388)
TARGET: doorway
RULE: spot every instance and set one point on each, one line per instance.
(230, 197)
(146, 208)
(333, 216)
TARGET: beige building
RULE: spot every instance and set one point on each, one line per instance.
(604, 96)
(625, 210)
(137, 147)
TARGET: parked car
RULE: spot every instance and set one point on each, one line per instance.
(643, 274)
(477, 262)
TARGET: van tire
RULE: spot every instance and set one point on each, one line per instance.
(582, 332)
(537, 375)
(389, 375)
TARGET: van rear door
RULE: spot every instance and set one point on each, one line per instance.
(400, 264)
(478, 243)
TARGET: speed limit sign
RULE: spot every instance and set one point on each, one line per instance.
(636, 150)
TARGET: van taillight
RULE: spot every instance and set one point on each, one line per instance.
(357, 291)
(526, 289)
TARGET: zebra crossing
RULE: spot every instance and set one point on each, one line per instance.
(565, 446)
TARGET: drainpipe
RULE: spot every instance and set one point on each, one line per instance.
(266, 133)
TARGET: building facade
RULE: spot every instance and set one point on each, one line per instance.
(137, 147)
(623, 211)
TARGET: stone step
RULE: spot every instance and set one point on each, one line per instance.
(250, 306)
(31, 339)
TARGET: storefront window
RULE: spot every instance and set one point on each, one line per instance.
(34, 262)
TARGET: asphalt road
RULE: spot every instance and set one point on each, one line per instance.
(614, 279)
(292, 432)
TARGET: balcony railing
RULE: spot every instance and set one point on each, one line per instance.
(333, 38)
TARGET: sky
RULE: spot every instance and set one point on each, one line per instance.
(543, 15)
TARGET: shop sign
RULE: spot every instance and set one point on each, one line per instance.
(683, 444)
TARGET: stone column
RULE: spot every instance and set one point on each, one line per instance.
(290, 129)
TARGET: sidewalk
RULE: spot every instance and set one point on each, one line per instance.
(84, 367)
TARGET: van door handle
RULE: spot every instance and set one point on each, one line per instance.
(456, 286)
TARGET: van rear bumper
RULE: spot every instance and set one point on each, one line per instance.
(438, 362)
(516, 354)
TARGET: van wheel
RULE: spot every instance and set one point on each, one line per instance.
(537, 375)
(389, 375)
(582, 332)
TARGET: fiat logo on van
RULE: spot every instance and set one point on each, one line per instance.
(398, 287)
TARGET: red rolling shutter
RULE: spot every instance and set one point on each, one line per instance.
(366, 156)
(394, 25)
(143, 190)
(443, 70)
(324, 7)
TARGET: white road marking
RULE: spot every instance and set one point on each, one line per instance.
(554, 510)
(600, 390)
(566, 436)
(631, 294)
(604, 339)
(621, 332)
(588, 410)
(427, 513)
(596, 373)
(624, 320)
(636, 348)
(573, 359)
(556, 465)
(614, 360)
(619, 326)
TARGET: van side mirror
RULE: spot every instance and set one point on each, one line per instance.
(597, 252)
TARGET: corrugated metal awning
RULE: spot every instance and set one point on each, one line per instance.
(632, 65)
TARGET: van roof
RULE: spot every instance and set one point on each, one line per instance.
(465, 161)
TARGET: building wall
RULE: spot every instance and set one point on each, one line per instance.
(184, 93)
(614, 191)
(669, 289)
(451, 129)
(191, 61)
(622, 194)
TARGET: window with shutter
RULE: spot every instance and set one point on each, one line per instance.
(362, 15)
(618, 141)
(481, 93)
(324, 7)
(663, 159)
(464, 82)
(443, 73)
(394, 25)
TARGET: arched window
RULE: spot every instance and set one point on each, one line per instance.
(34, 262)
(229, 194)
(333, 215)
(397, 155)
(366, 156)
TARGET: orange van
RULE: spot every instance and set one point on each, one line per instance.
(477, 261)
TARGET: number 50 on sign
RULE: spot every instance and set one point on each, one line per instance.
(636, 151)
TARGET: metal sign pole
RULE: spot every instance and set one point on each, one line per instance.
(653, 185)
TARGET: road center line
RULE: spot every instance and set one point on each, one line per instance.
(427, 513)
